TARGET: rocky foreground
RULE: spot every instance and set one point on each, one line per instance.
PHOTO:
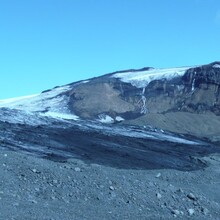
(33, 188)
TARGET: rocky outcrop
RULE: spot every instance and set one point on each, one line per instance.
(204, 82)
(197, 91)
(206, 74)
(100, 96)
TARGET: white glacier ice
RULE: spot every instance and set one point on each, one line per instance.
(141, 79)
(216, 66)
(105, 118)
(51, 103)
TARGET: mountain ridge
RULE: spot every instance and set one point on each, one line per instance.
(136, 96)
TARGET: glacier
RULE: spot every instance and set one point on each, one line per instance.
(141, 79)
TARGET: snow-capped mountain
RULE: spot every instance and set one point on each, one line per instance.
(55, 102)
(125, 115)
(173, 99)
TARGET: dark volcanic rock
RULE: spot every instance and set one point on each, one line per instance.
(206, 74)
(60, 141)
(204, 83)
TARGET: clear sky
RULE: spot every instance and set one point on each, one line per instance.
(44, 43)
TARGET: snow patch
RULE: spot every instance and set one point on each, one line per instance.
(106, 119)
(52, 103)
(60, 115)
(142, 78)
(39, 102)
(138, 133)
(216, 66)
(119, 119)
(10, 101)
(15, 116)
(85, 81)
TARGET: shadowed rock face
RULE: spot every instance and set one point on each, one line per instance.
(196, 92)
(207, 74)
(206, 93)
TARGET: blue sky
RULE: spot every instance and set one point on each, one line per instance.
(44, 43)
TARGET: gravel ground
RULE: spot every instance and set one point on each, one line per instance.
(34, 188)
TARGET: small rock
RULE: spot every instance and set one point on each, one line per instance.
(191, 196)
(35, 171)
(175, 212)
(195, 203)
(70, 194)
(173, 196)
(55, 181)
(205, 211)
(77, 169)
(66, 167)
(191, 211)
(112, 188)
(33, 201)
(180, 191)
(159, 196)
(158, 175)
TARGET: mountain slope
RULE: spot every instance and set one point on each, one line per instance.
(163, 98)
